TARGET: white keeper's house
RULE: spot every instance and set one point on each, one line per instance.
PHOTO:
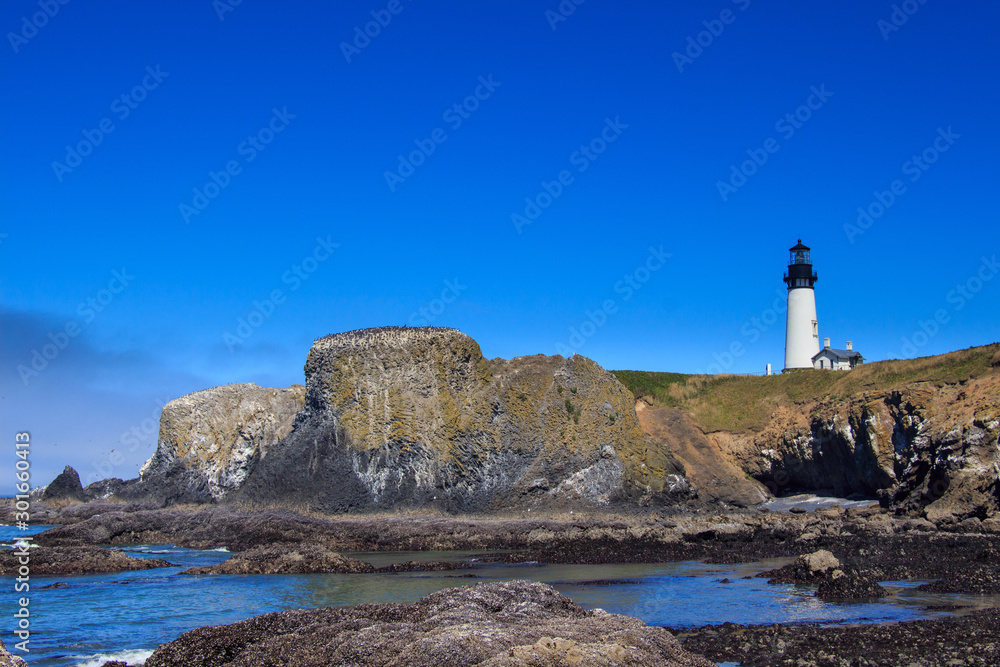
(838, 360)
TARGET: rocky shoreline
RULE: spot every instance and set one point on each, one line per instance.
(844, 553)
(886, 547)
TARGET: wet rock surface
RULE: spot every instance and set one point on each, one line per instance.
(834, 581)
(972, 640)
(302, 559)
(75, 560)
(511, 624)
(312, 559)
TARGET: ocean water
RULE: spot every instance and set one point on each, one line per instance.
(84, 620)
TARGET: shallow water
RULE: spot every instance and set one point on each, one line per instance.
(93, 617)
(811, 503)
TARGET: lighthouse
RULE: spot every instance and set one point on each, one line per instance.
(801, 328)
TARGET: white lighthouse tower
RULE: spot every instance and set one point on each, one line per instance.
(801, 328)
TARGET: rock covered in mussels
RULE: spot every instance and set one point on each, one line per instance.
(509, 624)
(76, 560)
(300, 559)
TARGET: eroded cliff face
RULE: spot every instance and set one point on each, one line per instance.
(921, 448)
(409, 417)
(713, 474)
(210, 440)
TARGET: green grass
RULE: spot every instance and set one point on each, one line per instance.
(656, 385)
(745, 403)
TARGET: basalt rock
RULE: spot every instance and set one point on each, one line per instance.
(414, 417)
(66, 486)
(210, 440)
(510, 624)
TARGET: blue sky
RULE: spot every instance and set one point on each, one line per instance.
(171, 169)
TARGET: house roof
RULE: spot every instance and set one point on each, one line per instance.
(840, 354)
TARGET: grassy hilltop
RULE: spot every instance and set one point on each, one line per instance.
(740, 404)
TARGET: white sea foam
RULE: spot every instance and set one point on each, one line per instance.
(222, 549)
(20, 543)
(134, 656)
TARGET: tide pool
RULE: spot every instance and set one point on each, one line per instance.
(83, 620)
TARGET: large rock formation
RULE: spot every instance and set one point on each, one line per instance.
(66, 486)
(210, 440)
(921, 435)
(919, 447)
(509, 624)
(410, 417)
(418, 416)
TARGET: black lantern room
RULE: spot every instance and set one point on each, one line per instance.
(800, 271)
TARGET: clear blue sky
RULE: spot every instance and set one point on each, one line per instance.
(619, 100)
